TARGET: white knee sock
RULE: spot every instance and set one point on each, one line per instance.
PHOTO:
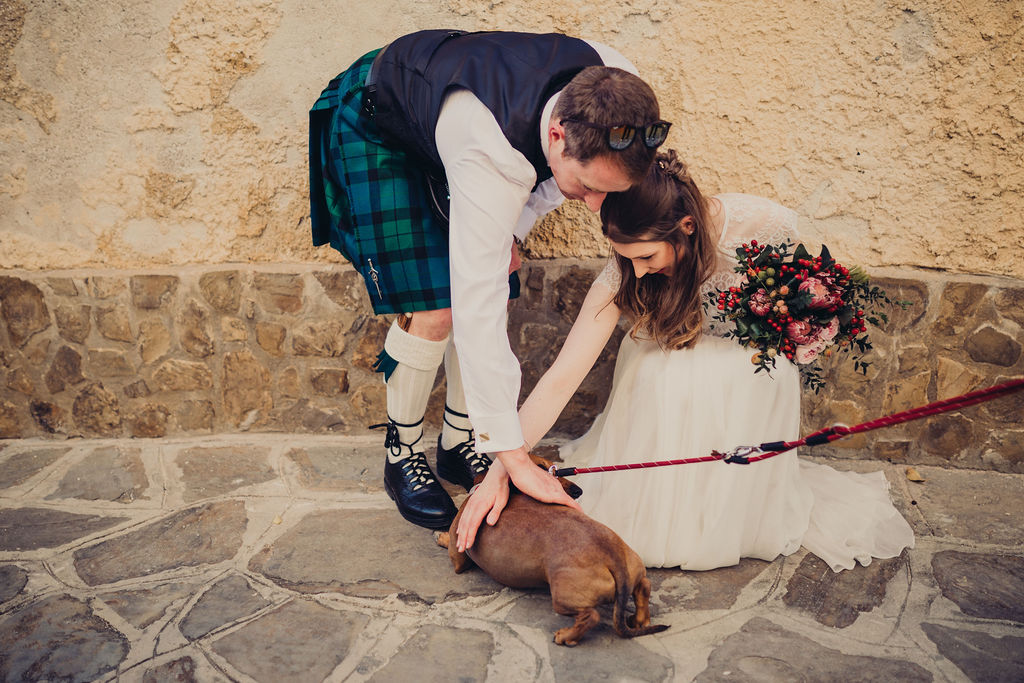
(408, 388)
(456, 427)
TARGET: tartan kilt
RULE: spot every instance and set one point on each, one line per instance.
(372, 204)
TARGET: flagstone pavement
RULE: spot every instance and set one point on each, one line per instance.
(273, 557)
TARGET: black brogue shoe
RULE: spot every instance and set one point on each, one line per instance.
(461, 464)
(417, 493)
(409, 482)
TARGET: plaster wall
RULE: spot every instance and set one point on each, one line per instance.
(155, 134)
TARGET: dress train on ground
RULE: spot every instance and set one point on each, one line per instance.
(674, 404)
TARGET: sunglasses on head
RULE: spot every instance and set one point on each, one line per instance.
(620, 137)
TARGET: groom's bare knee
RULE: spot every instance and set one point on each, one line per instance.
(432, 325)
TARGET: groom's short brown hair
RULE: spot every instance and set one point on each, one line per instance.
(607, 96)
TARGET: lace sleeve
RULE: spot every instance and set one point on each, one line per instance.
(756, 218)
(610, 278)
(748, 218)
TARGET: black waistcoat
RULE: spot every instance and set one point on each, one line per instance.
(513, 74)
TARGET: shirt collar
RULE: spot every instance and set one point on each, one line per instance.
(545, 119)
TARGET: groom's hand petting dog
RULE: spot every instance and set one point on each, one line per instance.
(584, 562)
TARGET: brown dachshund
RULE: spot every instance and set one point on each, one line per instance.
(584, 562)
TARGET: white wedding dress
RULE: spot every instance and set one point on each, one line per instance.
(687, 403)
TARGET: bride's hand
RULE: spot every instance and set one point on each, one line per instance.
(534, 481)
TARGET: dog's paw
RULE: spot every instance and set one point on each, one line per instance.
(563, 636)
(442, 538)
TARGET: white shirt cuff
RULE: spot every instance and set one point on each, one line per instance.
(497, 432)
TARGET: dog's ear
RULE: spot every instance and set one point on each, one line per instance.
(546, 465)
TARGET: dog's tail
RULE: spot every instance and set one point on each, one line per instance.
(619, 620)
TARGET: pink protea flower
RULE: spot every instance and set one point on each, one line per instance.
(806, 353)
(822, 293)
(800, 331)
(829, 332)
(760, 302)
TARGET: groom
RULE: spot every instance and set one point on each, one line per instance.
(429, 159)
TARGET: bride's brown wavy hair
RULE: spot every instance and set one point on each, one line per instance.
(665, 309)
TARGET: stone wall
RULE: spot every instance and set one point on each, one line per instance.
(149, 149)
(148, 135)
(201, 350)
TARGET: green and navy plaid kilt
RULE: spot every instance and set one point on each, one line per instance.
(371, 203)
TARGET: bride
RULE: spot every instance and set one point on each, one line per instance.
(680, 389)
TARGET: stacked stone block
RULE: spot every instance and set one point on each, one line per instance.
(147, 355)
(291, 348)
(957, 335)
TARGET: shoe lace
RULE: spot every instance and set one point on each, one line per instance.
(477, 462)
(417, 471)
(392, 442)
(467, 449)
(414, 466)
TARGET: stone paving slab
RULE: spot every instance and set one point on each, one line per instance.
(373, 553)
(273, 557)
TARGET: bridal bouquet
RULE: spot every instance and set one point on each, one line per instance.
(798, 306)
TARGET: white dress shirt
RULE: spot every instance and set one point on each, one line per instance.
(491, 202)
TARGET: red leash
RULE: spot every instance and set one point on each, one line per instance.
(747, 454)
